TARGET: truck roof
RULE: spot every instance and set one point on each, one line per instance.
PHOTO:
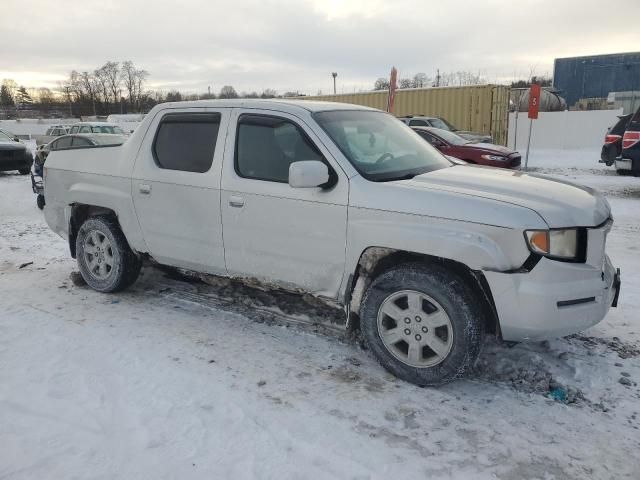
(285, 104)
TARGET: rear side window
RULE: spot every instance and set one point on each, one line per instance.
(80, 142)
(418, 123)
(429, 138)
(266, 146)
(186, 141)
(64, 142)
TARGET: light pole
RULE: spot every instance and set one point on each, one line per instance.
(334, 75)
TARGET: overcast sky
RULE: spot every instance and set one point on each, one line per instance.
(296, 44)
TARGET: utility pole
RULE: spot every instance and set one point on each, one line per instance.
(334, 75)
(438, 77)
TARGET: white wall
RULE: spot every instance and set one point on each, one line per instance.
(562, 130)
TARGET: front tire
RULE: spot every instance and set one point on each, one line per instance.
(423, 323)
(24, 171)
(104, 258)
(40, 201)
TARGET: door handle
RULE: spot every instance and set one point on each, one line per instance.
(145, 188)
(235, 201)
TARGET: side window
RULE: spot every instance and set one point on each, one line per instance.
(429, 138)
(418, 123)
(85, 129)
(266, 146)
(64, 142)
(80, 142)
(186, 141)
(74, 130)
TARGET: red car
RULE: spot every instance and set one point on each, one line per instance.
(481, 153)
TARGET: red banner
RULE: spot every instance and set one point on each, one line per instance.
(534, 101)
(392, 89)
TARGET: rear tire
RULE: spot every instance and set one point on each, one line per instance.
(104, 258)
(40, 201)
(24, 171)
(423, 323)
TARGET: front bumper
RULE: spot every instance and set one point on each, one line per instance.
(553, 299)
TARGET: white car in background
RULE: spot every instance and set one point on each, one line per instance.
(96, 127)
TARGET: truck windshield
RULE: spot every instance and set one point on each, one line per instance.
(379, 146)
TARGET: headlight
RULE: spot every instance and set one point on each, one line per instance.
(567, 244)
(494, 158)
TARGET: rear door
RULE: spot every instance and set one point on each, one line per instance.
(176, 188)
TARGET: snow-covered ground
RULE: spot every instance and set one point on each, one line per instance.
(179, 380)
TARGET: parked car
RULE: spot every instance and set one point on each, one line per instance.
(612, 148)
(479, 153)
(54, 131)
(441, 123)
(348, 204)
(64, 143)
(629, 160)
(14, 154)
(96, 127)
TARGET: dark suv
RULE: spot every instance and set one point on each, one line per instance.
(612, 148)
(630, 157)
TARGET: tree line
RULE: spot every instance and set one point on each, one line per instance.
(115, 87)
(453, 79)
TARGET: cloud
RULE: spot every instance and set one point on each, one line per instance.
(296, 44)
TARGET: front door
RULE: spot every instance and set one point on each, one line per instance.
(290, 236)
(176, 188)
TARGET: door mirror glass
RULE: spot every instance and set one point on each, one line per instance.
(308, 174)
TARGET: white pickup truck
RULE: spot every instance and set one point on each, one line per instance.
(349, 204)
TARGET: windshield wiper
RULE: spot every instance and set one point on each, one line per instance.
(406, 176)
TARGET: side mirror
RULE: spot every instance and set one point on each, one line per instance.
(308, 174)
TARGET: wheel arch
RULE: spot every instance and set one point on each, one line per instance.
(80, 212)
(374, 261)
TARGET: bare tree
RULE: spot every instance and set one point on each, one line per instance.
(269, 93)
(133, 80)
(128, 76)
(405, 83)
(89, 85)
(421, 80)
(141, 78)
(381, 84)
(228, 92)
(102, 80)
(111, 73)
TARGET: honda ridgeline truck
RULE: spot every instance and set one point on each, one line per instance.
(346, 203)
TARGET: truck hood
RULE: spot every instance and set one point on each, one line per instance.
(559, 203)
